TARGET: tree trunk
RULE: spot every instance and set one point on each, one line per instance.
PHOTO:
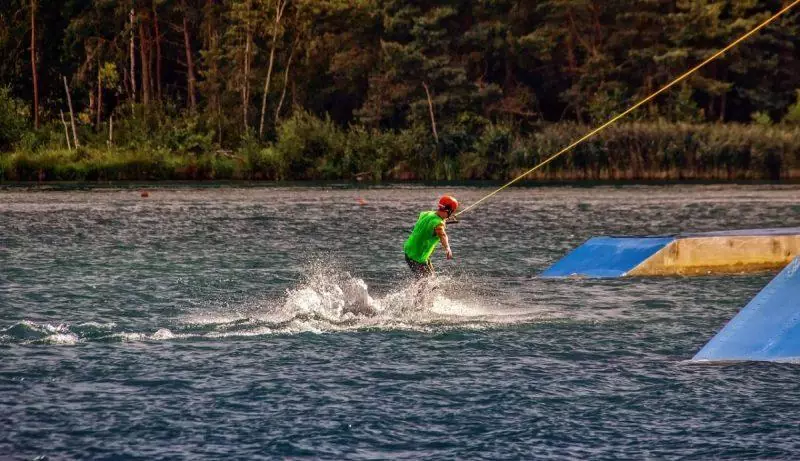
(430, 109)
(723, 99)
(285, 81)
(71, 115)
(189, 62)
(150, 60)
(33, 67)
(66, 130)
(246, 83)
(126, 82)
(294, 95)
(278, 13)
(572, 66)
(99, 97)
(158, 51)
(92, 100)
(213, 78)
(219, 120)
(133, 55)
(143, 54)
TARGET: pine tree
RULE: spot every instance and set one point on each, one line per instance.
(417, 60)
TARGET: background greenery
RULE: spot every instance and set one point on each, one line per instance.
(343, 87)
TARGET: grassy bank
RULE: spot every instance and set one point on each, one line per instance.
(308, 148)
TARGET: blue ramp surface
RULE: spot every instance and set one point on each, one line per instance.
(768, 328)
(607, 256)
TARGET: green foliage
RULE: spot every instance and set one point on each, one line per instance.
(605, 104)
(684, 108)
(369, 61)
(629, 151)
(109, 76)
(163, 128)
(669, 151)
(6, 166)
(186, 136)
(48, 137)
(354, 85)
(489, 158)
(266, 163)
(368, 153)
(311, 147)
(793, 115)
(261, 162)
(14, 116)
(761, 118)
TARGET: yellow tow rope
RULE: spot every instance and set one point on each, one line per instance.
(635, 106)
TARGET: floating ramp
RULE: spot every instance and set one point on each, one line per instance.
(736, 251)
(608, 256)
(767, 329)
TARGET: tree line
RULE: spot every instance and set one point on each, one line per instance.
(436, 81)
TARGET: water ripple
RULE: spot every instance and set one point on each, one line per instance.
(279, 322)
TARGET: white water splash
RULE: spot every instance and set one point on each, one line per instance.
(98, 325)
(28, 332)
(39, 333)
(68, 339)
(328, 300)
(162, 334)
(125, 337)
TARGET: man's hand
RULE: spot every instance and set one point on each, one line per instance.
(449, 253)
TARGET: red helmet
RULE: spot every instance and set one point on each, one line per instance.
(448, 203)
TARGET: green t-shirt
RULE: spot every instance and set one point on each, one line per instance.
(423, 238)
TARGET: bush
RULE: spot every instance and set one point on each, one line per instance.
(667, 151)
(368, 153)
(14, 119)
(6, 165)
(186, 136)
(793, 115)
(308, 147)
(761, 118)
(416, 157)
(266, 163)
(48, 137)
(311, 148)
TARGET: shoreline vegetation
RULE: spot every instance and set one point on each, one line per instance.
(310, 148)
(395, 90)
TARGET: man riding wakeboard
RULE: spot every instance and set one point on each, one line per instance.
(429, 230)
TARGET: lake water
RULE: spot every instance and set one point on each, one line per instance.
(202, 323)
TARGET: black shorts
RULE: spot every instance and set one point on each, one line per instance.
(420, 269)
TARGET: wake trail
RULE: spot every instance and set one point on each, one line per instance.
(331, 300)
(327, 300)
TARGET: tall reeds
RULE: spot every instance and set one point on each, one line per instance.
(309, 148)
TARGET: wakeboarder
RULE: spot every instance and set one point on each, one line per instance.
(429, 230)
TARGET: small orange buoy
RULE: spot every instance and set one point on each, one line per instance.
(145, 194)
(362, 202)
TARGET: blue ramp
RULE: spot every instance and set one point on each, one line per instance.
(607, 256)
(768, 328)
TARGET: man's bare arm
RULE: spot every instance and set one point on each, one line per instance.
(445, 243)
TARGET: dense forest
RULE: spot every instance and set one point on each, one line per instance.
(394, 89)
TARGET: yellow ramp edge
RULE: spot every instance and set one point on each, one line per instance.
(721, 255)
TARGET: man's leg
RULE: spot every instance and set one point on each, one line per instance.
(418, 269)
(421, 272)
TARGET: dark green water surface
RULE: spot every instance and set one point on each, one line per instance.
(210, 323)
